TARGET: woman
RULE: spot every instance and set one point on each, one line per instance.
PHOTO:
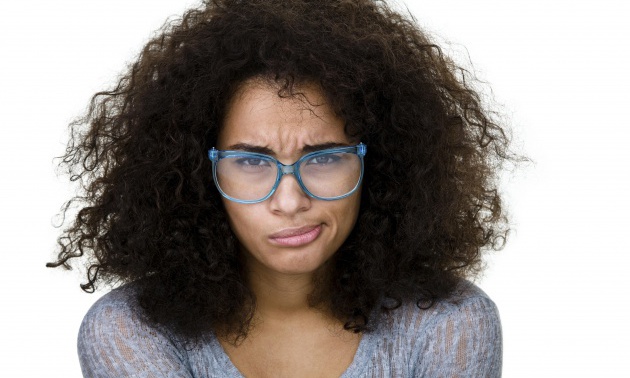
(288, 188)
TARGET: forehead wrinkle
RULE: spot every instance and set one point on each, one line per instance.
(284, 125)
(297, 115)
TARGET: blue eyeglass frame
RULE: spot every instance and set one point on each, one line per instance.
(294, 169)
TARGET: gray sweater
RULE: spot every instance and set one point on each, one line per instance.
(456, 337)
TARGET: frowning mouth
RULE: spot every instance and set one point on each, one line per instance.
(295, 237)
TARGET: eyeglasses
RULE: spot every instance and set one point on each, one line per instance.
(248, 177)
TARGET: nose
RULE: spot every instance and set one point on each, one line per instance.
(289, 198)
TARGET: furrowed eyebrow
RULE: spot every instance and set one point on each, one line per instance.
(251, 148)
(324, 146)
(267, 151)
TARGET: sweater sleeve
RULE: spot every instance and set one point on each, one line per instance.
(465, 341)
(114, 341)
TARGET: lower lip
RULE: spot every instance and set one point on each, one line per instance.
(298, 240)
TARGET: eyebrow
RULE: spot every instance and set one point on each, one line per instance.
(267, 151)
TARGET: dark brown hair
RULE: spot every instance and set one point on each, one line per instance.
(149, 211)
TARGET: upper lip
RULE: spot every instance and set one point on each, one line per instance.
(288, 232)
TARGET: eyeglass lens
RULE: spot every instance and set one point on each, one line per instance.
(251, 178)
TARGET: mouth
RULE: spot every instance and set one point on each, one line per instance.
(296, 237)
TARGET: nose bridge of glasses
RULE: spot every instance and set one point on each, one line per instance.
(290, 169)
(287, 169)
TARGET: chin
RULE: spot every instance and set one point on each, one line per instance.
(295, 261)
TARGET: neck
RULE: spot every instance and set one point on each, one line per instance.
(280, 295)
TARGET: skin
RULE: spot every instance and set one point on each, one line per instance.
(282, 276)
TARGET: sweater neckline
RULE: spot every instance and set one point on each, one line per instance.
(355, 369)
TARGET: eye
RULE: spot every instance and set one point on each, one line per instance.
(252, 162)
(324, 159)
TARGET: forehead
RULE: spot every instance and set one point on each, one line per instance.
(258, 116)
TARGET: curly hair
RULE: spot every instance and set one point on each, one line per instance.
(149, 212)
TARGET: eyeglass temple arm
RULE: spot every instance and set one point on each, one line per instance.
(213, 154)
(361, 149)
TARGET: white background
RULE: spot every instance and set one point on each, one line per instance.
(558, 69)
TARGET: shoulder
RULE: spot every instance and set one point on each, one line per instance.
(467, 301)
(123, 298)
(459, 335)
(114, 312)
(116, 339)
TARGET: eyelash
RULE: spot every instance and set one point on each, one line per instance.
(247, 161)
(331, 158)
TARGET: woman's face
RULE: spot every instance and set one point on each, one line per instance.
(289, 233)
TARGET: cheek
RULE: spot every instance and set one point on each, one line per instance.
(347, 215)
(240, 219)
